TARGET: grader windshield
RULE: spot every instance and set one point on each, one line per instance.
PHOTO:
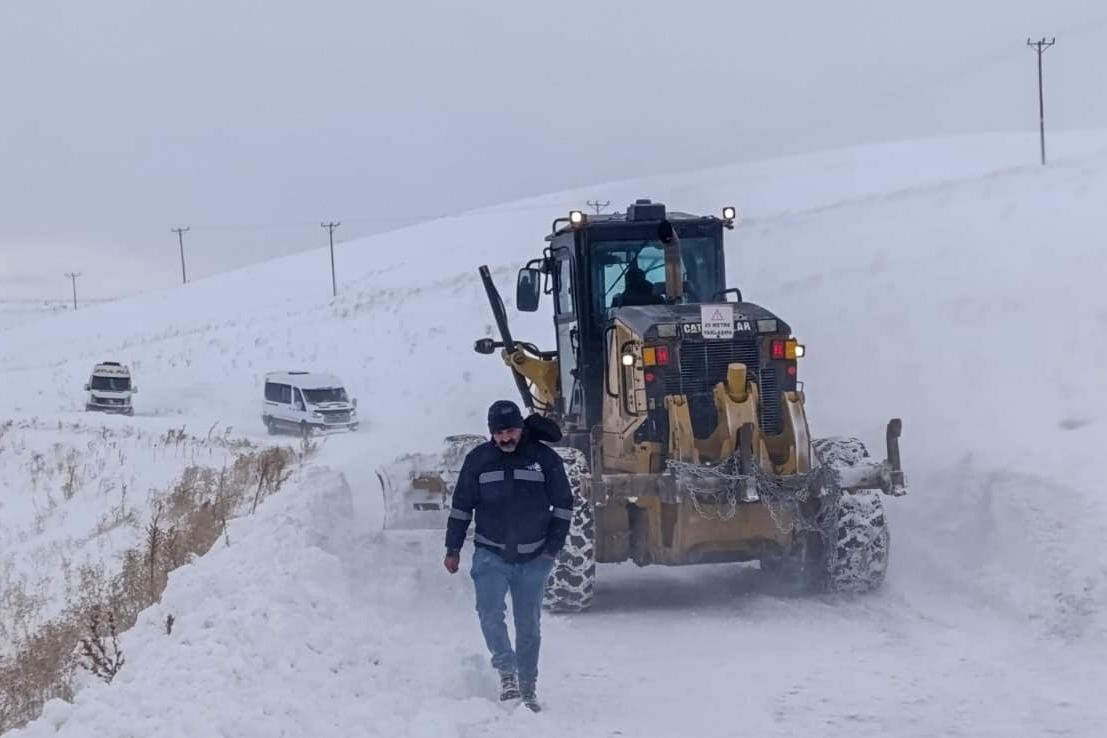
(632, 272)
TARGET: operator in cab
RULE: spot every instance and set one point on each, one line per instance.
(638, 289)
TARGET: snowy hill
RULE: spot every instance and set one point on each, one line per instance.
(952, 283)
(16, 312)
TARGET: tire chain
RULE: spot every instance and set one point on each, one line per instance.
(713, 491)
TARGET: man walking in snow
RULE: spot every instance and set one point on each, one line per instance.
(517, 489)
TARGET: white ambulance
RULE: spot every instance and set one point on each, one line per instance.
(109, 389)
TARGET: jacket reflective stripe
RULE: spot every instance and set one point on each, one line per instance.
(526, 475)
(562, 513)
(460, 514)
(530, 475)
(523, 548)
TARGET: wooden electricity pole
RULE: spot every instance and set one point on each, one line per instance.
(330, 230)
(1040, 47)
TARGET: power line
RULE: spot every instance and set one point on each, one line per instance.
(330, 231)
(180, 238)
(73, 276)
(1040, 47)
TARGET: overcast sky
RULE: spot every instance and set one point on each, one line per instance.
(253, 121)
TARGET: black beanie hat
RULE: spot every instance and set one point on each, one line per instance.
(504, 414)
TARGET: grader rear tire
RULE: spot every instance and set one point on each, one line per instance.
(857, 558)
(572, 581)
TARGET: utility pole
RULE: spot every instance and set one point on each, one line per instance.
(1040, 47)
(330, 230)
(598, 206)
(180, 238)
(73, 277)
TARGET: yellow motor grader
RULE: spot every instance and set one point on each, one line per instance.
(684, 429)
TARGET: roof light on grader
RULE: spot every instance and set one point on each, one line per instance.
(576, 218)
(730, 214)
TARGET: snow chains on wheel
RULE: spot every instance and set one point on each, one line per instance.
(857, 559)
(572, 580)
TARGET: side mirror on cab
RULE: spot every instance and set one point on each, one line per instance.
(528, 290)
(134, 390)
(355, 402)
(87, 387)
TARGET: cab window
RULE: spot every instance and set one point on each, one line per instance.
(564, 287)
(633, 272)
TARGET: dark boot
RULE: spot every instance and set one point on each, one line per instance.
(509, 686)
(529, 692)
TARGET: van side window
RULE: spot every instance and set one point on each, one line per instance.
(273, 391)
(286, 394)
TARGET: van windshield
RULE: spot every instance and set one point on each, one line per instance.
(329, 394)
(111, 384)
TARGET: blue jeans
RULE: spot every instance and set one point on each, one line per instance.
(493, 578)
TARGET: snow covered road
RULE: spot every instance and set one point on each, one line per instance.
(312, 622)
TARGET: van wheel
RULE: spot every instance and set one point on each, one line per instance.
(270, 425)
(305, 430)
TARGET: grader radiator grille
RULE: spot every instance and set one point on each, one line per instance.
(703, 365)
